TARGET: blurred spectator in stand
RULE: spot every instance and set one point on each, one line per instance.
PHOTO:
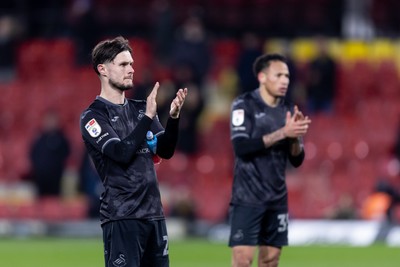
(397, 145)
(84, 28)
(191, 48)
(194, 103)
(322, 80)
(381, 203)
(10, 33)
(91, 185)
(344, 209)
(48, 154)
(380, 206)
(183, 207)
(162, 23)
(190, 58)
(250, 50)
(188, 139)
(46, 18)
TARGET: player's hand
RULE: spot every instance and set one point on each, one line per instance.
(298, 115)
(177, 103)
(297, 124)
(151, 104)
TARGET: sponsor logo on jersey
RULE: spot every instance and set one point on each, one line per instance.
(101, 137)
(93, 128)
(259, 115)
(144, 150)
(238, 117)
(115, 118)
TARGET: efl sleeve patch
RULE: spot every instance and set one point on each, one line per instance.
(238, 117)
(93, 128)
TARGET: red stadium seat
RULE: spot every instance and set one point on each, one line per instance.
(317, 194)
(211, 198)
(352, 91)
(76, 208)
(31, 61)
(5, 210)
(225, 52)
(26, 210)
(388, 72)
(37, 58)
(51, 209)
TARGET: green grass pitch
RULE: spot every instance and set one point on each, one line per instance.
(57, 252)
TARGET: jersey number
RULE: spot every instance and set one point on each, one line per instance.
(165, 238)
(283, 222)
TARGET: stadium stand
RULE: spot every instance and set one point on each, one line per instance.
(345, 150)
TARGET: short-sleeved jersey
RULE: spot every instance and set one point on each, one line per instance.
(131, 190)
(259, 178)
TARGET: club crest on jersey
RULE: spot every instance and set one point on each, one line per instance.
(93, 128)
(238, 117)
(120, 261)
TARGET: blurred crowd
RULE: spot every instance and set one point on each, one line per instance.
(179, 37)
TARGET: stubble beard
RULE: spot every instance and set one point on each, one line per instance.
(120, 86)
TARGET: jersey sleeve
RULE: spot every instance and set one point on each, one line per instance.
(97, 130)
(156, 126)
(241, 123)
(241, 126)
(168, 139)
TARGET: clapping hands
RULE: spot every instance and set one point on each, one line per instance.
(297, 124)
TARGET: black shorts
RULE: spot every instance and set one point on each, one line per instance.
(134, 243)
(258, 226)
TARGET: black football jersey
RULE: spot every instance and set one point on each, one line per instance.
(259, 178)
(131, 190)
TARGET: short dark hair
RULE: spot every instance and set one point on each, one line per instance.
(107, 50)
(262, 62)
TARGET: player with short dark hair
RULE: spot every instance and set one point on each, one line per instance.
(114, 131)
(265, 133)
